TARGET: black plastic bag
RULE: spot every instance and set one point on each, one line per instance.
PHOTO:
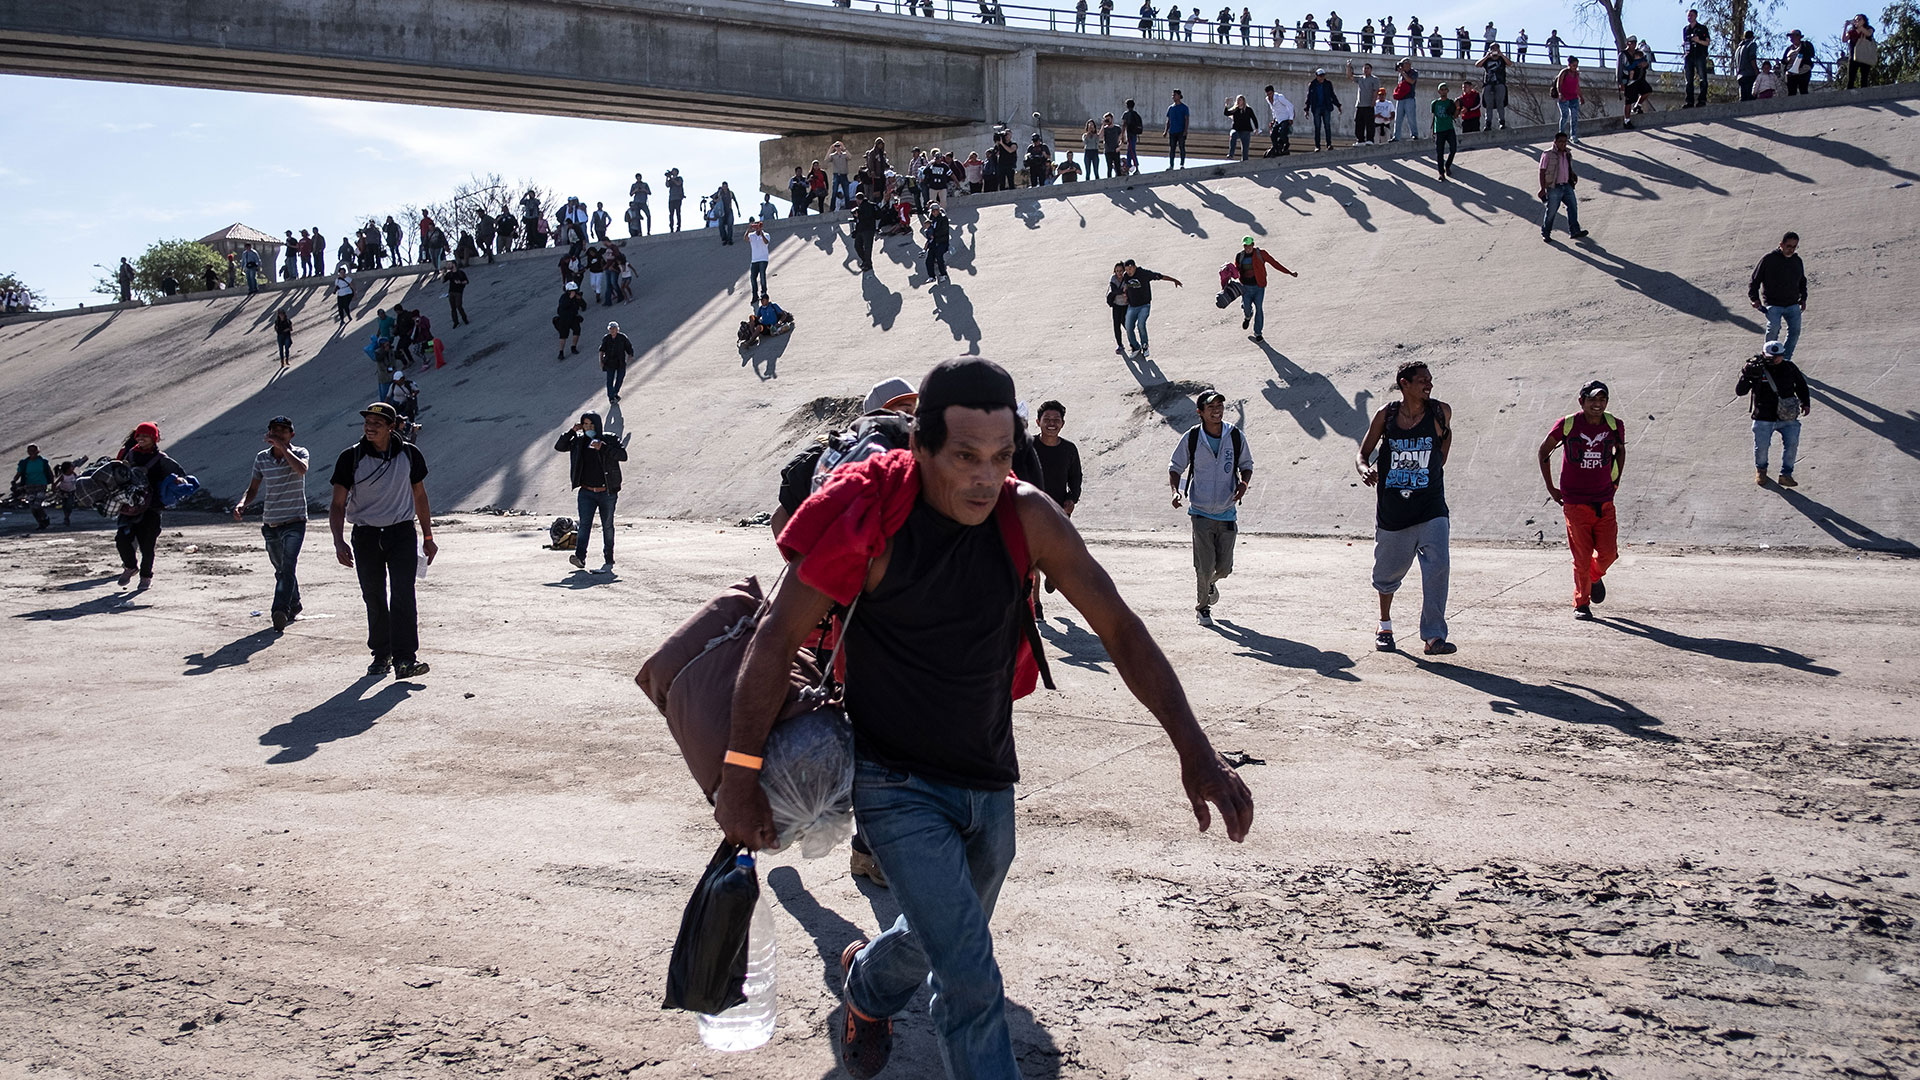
(710, 956)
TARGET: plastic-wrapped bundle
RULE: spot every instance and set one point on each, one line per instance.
(807, 776)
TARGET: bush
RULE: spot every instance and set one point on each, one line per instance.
(11, 282)
(186, 260)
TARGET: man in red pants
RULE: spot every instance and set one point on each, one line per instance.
(1595, 454)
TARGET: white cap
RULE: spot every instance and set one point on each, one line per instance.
(1774, 348)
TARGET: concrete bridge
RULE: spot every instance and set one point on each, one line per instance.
(802, 72)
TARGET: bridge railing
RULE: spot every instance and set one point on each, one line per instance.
(1350, 45)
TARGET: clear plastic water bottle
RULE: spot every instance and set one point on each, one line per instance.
(749, 1024)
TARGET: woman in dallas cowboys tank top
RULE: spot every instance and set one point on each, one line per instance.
(1412, 436)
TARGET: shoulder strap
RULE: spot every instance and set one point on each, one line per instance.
(1566, 424)
(1612, 423)
(1233, 463)
(1007, 516)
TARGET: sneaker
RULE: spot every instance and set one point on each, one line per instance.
(1583, 613)
(1118, 351)
(146, 582)
(1204, 615)
(605, 567)
(1246, 322)
(1759, 477)
(280, 620)
(127, 575)
(1383, 641)
(1787, 480)
(577, 561)
(562, 356)
(1581, 235)
(863, 864)
(576, 350)
(409, 669)
(1258, 340)
(865, 1043)
(1598, 591)
(1213, 594)
(380, 666)
(1441, 647)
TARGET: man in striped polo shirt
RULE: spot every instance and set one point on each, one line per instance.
(281, 469)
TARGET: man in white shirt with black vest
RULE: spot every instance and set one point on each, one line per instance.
(379, 485)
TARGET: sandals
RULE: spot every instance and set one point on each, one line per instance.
(1441, 647)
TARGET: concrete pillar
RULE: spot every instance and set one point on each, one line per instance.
(1012, 91)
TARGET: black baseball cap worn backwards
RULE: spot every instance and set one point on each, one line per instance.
(968, 380)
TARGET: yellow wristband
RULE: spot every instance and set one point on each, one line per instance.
(745, 761)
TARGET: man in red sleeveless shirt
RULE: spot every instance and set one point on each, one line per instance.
(1595, 444)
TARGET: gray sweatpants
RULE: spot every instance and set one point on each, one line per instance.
(1212, 554)
(1393, 553)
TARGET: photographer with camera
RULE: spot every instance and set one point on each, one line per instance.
(594, 458)
(1779, 401)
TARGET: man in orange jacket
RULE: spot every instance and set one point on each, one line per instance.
(1251, 263)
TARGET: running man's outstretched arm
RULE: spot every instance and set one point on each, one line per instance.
(1059, 553)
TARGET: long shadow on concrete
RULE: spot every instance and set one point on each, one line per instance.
(952, 306)
(1846, 530)
(1225, 207)
(235, 653)
(1281, 652)
(99, 605)
(1903, 431)
(1083, 647)
(342, 716)
(1313, 401)
(1662, 286)
(1739, 652)
(1555, 701)
(1145, 200)
(1848, 153)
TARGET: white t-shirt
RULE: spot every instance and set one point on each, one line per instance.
(757, 246)
(1279, 108)
(1383, 111)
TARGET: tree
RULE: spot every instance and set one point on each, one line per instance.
(1608, 11)
(11, 283)
(186, 260)
(1729, 20)
(1900, 42)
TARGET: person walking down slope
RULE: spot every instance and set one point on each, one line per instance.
(724, 207)
(1445, 142)
(1778, 403)
(282, 470)
(759, 251)
(1593, 446)
(1251, 264)
(139, 525)
(616, 350)
(1138, 283)
(1211, 468)
(1778, 290)
(32, 479)
(283, 336)
(457, 296)
(1557, 180)
(594, 458)
(568, 318)
(1412, 436)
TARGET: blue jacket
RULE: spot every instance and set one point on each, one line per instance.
(1320, 97)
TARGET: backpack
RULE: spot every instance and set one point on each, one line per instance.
(1566, 432)
(1193, 448)
(869, 436)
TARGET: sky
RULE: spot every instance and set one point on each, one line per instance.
(92, 171)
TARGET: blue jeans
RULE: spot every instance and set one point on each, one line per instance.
(1253, 304)
(1241, 139)
(756, 278)
(1137, 326)
(1789, 443)
(945, 851)
(726, 230)
(1406, 118)
(615, 379)
(1791, 313)
(1557, 194)
(283, 551)
(1323, 125)
(1696, 67)
(589, 502)
(1570, 120)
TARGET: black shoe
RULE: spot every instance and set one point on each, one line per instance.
(1581, 235)
(409, 669)
(1246, 322)
(865, 1043)
(1583, 613)
(576, 350)
(280, 621)
(1598, 592)
(1383, 641)
(380, 666)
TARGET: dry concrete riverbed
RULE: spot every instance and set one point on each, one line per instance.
(1676, 842)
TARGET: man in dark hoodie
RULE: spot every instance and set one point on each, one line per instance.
(594, 469)
(140, 521)
(1778, 403)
